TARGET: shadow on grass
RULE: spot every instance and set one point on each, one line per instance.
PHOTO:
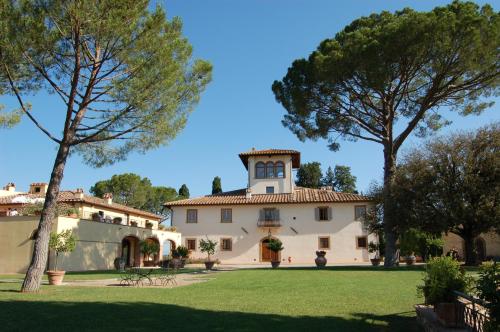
(359, 268)
(145, 316)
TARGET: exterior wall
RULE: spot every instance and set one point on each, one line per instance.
(16, 246)
(491, 240)
(281, 185)
(299, 247)
(98, 244)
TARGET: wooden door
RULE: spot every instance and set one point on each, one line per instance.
(266, 254)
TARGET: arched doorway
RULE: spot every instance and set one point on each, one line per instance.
(154, 258)
(168, 247)
(130, 251)
(480, 247)
(267, 255)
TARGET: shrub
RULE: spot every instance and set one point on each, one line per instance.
(443, 275)
(275, 245)
(488, 286)
(424, 244)
(208, 246)
(183, 251)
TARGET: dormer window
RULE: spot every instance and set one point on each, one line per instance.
(269, 170)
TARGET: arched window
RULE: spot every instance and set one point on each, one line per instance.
(260, 170)
(279, 169)
(270, 169)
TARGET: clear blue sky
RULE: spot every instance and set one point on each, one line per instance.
(250, 44)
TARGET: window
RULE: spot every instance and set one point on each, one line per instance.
(226, 215)
(279, 169)
(38, 189)
(269, 190)
(324, 242)
(191, 244)
(271, 214)
(226, 244)
(260, 170)
(270, 169)
(192, 216)
(359, 212)
(361, 242)
(323, 213)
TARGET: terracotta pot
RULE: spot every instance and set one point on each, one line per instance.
(149, 263)
(375, 261)
(320, 261)
(183, 262)
(447, 314)
(55, 277)
(410, 260)
(275, 264)
(73, 215)
(209, 265)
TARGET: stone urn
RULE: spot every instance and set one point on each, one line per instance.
(320, 259)
(410, 259)
(275, 264)
(55, 277)
(209, 265)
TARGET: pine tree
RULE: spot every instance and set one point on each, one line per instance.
(216, 185)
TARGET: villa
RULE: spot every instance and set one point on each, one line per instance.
(105, 230)
(271, 206)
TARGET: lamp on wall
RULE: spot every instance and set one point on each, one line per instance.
(269, 233)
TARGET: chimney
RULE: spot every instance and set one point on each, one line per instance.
(248, 193)
(79, 193)
(38, 188)
(11, 187)
(108, 197)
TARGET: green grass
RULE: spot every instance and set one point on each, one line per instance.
(292, 299)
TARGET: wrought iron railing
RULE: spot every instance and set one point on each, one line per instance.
(472, 312)
(269, 223)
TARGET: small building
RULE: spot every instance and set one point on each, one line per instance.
(272, 206)
(105, 230)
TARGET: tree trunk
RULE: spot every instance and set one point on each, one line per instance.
(469, 250)
(390, 231)
(40, 252)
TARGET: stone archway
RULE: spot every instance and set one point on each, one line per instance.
(167, 248)
(130, 251)
(267, 255)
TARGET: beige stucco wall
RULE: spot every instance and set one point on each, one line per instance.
(300, 247)
(15, 244)
(97, 246)
(491, 240)
(281, 185)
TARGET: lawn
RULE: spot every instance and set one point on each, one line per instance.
(292, 299)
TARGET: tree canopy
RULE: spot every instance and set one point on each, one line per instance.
(123, 76)
(183, 191)
(309, 175)
(340, 179)
(388, 75)
(132, 190)
(452, 184)
(216, 185)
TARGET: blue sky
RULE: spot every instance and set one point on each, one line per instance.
(250, 44)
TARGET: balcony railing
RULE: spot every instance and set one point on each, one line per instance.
(269, 223)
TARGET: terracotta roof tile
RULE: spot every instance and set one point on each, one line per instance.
(300, 195)
(68, 196)
(271, 152)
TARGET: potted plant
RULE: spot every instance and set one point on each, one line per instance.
(133, 223)
(320, 258)
(149, 224)
(275, 246)
(374, 248)
(119, 263)
(443, 275)
(149, 248)
(183, 254)
(208, 246)
(60, 243)
(117, 220)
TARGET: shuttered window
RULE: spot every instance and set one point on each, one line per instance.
(269, 214)
(361, 242)
(191, 244)
(192, 216)
(323, 213)
(226, 244)
(324, 242)
(226, 215)
(359, 212)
